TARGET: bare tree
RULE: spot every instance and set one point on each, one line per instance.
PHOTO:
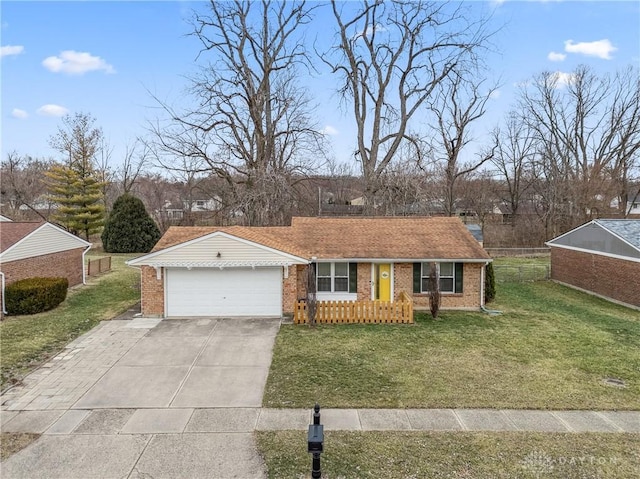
(252, 122)
(458, 103)
(515, 152)
(136, 158)
(391, 56)
(22, 185)
(587, 130)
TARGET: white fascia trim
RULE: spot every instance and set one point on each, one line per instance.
(599, 253)
(144, 260)
(45, 225)
(403, 260)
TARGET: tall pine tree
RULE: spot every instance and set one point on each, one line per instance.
(75, 185)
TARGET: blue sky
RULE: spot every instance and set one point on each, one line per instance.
(105, 58)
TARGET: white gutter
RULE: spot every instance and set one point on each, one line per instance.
(4, 311)
(84, 267)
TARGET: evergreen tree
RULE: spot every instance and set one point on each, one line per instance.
(79, 199)
(129, 228)
(75, 185)
(489, 284)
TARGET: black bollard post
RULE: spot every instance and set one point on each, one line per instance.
(315, 442)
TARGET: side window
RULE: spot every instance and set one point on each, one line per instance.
(324, 277)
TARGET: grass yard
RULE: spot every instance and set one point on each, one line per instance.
(550, 349)
(27, 341)
(406, 455)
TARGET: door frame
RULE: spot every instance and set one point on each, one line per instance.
(374, 279)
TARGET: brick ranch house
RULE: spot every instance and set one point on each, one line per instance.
(601, 257)
(262, 271)
(39, 249)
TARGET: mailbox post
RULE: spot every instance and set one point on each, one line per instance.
(315, 442)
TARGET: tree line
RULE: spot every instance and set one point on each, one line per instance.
(411, 76)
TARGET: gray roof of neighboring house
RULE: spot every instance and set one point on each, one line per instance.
(615, 237)
(629, 230)
(475, 230)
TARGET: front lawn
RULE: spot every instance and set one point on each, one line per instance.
(550, 349)
(27, 341)
(406, 455)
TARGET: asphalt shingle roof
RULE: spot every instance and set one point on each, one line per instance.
(12, 232)
(353, 238)
(629, 230)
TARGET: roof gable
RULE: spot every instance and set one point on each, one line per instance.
(620, 238)
(216, 249)
(27, 240)
(14, 231)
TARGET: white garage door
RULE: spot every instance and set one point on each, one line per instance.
(227, 292)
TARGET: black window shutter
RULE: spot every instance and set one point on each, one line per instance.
(417, 277)
(459, 277)
(353, 277)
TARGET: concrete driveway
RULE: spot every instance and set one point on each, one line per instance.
(146, 398)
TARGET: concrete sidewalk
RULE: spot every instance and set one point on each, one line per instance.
(247, 420)
(187, 443)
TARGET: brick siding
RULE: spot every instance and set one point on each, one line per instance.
(613, 278)
(65, 264)
(152, 292)
(294, 288)
(468, 299)
(290, 290)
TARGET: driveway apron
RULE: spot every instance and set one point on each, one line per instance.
(137, 413)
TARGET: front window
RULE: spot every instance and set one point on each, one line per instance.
(333, 277)
(447, 277)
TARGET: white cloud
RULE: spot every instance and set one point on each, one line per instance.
(329, 130)
(556, 57)
(495, 94)
(52, 110)
(11, 50)
(76, 63)
(562, 79)
(370, 30)
(20, 114)
(599, 48)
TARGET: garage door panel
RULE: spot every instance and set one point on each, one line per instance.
(228, 292)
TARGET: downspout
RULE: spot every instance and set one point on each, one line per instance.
(4, 311)
(482, 273)
(490, 312)
(84, 267)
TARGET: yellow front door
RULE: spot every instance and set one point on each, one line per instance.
(383, 282)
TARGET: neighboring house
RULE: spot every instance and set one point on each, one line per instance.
(262, 271)
(601, 257)
(4, 218)
(41, 249)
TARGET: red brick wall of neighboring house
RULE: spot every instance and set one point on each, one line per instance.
(613, 278)
(152, 292)
(468, 299)
(65, 264)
